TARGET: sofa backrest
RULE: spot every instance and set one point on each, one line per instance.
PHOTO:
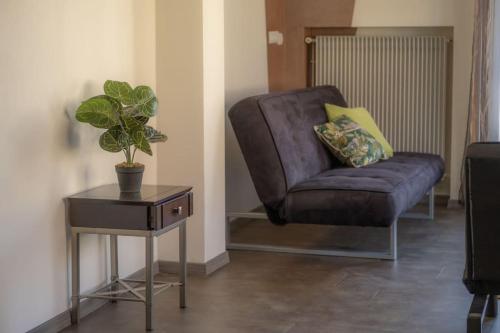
(276, 137)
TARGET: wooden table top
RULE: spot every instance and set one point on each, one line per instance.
(150, 195)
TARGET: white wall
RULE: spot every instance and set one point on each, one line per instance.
(54, 54)
(190, 78)
(213, 105)
(180, 89)
(424, 13)
(246, 75)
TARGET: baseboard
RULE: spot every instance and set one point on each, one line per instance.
(454, 204)
(441, 200)
(63, 320)
(88, 306)
(207, 268)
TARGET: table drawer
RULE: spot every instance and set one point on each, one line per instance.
(89, 214)
(175, 210)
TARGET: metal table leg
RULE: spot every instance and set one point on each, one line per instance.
(113, 242)
(182, 264)
(115, 295)
(75, 277)
(149, 282)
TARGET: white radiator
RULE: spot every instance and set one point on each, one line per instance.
(401, 80)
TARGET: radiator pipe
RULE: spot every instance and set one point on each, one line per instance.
(310, 40)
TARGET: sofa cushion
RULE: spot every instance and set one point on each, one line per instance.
(364, 119)
(374, 195)
(349, 142)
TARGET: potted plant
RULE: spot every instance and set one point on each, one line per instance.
(124, 113)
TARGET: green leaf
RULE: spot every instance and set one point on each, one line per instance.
(131, 111)
(141, 142)
(145, 101)
(154, 136)
(99, 111)
(113, 140)
(132, 124)
(142, 120)
(122, 91)
(115, 104)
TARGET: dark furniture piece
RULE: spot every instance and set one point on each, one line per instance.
(482, 269)
(299, 181)
(150, 213)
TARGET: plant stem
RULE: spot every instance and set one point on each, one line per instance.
(126, 150)
(133, 154)
(127, 156)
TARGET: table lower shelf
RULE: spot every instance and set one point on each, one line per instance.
(122, 290)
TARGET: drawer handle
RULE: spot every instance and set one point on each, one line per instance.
(177, 210)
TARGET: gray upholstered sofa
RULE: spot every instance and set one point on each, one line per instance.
(299, 181)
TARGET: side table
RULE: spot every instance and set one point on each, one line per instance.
(150, 213)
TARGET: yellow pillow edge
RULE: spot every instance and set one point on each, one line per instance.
(361, 116)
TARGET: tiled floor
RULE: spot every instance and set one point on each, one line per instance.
(262, 292)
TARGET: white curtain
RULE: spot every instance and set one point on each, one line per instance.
(494, 123)
(483, 116)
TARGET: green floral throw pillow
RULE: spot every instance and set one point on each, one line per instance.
(349, 142)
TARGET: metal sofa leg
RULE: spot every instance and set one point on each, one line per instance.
(492, 307)
(394, 241)
(423, 216)
(432, 204)
(474, 324)
(482, 305)
(391, 254)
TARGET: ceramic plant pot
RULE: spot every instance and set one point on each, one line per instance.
(130, 177)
